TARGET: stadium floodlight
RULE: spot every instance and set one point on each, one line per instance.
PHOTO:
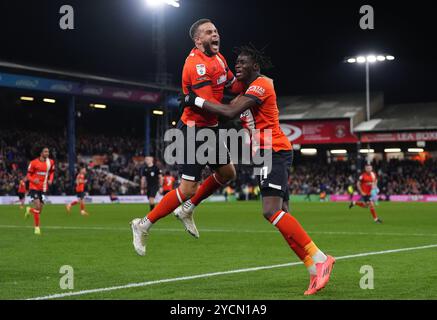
(367, 151)
(27, 98)
(48, 100)
(392, 150)
(369, 59)
(338, 151)
(361, 59)
(158, 112)
(158, 3)
(308, 151)
(415, 150)
(98, 106)
(173, 123)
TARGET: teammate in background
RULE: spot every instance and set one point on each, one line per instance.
(21, 192)
(40, 174)
(207, 73)
(366, 183)
(168, 183)
(258, 109)
(80, 191)
(151, 181)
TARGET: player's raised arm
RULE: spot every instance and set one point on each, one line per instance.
(226, 110)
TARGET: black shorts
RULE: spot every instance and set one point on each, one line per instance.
(193, 171)
(80, 195)
(37, 195)
(152, 191)
(365, 198)
(275, 183)
(20, 195)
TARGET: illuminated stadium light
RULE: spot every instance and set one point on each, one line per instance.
(338, 151)
(98, 106)
(371, 58)
(157, 3)
(158, 112)
(367, 151)
(48, 100)
(27, 98)
(415, 150)
(390, 58)
(351, 60)
(380, 58)
(308, 151)
(173, 123)
(392, 150)
(361, 59)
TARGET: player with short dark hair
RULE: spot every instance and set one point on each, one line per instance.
(206, 72)
(151, 180)
(40, 175)
(258, 110)
(366, 182)
(80, 192)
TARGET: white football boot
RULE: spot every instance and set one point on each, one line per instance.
(185, 214)
(139, 237)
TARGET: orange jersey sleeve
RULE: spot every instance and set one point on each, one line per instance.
(265, 115)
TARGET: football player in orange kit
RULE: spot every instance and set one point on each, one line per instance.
(40, 175)
(168, 183)
(258, 110)
(207, 73)
(21, 192)
(366, 182)
(80, 190)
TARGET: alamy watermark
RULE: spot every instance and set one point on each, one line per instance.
(209, 146)
(66, 282)
(367, 280)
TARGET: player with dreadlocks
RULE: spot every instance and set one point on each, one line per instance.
(258, 109)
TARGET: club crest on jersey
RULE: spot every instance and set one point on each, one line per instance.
(201, 69)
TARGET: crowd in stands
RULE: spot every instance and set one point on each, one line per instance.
(114, 168)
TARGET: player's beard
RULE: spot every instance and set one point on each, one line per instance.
(208, 50)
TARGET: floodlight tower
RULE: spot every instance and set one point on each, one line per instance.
(370, 59)
(161, 76)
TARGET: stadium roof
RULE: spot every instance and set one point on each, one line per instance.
(319, 107)
(415, 116)
(62, 74)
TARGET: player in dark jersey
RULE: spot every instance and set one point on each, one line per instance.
(259, 113)
(151, 180)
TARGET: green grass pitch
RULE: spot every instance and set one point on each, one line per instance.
(233, 236)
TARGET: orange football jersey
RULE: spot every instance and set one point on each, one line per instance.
(207, 77)
(265, 116)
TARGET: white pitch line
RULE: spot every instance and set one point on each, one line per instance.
(214, 274)
(227, 230)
